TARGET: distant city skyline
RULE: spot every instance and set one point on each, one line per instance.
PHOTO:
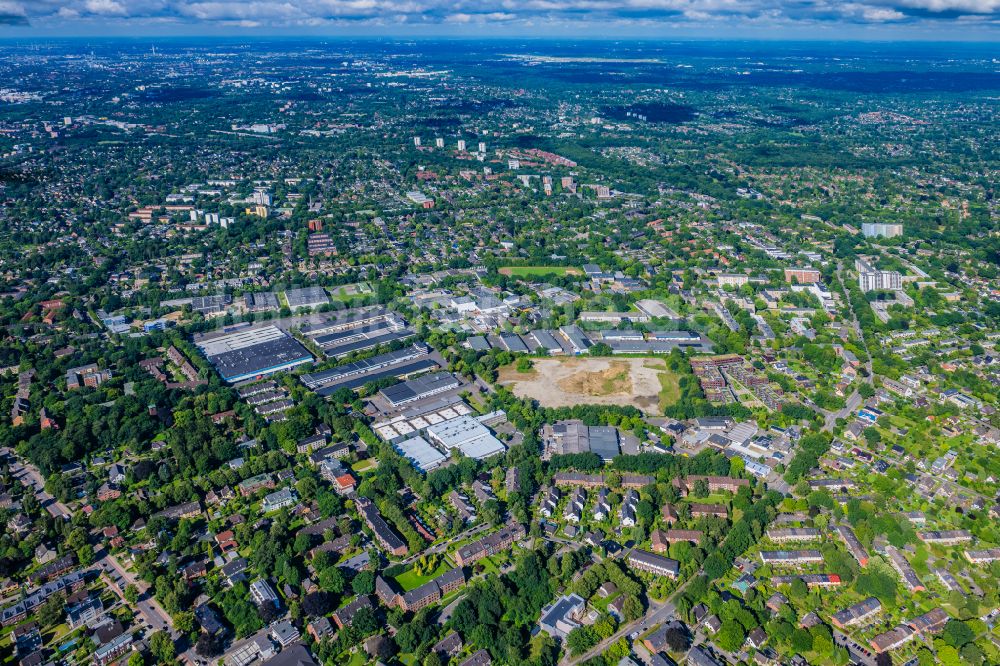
(977, 20)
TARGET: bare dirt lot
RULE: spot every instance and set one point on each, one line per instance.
(564, 382)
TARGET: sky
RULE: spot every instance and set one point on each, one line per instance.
(938, 20)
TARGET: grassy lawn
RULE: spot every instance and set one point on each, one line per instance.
(488, 565)
(349, 291)
(409, 580)
(535, 271)
(363, 466)
(714, 498)
(357, 659)
(670, 389)
(476, 405)
(601, 603)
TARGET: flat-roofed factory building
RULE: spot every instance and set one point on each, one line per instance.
(306, 297)
(243, 353)
(421, 387)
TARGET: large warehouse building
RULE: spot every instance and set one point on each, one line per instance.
(242, 353)
(306, 297)
(421, 387)
(401, 364)
(467, 435)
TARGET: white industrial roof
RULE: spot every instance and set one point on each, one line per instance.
(419, 451)
(468, 435)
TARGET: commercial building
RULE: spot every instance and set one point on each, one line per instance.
(546, 341)
(261, 301)
(347, 319)
(210, 305)
(419, 388)
(578, 342)
(513, 343)
(412, 421)
(241, 353)
(306, 297)
(346, 335)
(467, 435)
(400, 364)
(567, 437)
(421, 454)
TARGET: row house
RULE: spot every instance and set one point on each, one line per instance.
(626, 512)
(653, 563)
(784, 535)
(853, 545)
(602, 508)
(857, 614)
(822, 580)
(550, 502)
(792, 558)
(945, 537)
(574, 507)
(489, 545)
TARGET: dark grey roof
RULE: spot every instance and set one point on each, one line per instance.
(416, 388)
(478, 343)
(604, 441)
(295, 654)
(260, 357)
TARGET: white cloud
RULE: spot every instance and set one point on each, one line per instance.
(971, 6)
(492, 17)
(105, 8)
(562, 14)
(8, 8)
(878, 14)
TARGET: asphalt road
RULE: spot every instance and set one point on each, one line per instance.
(147, 605)
(30, 477)
(657, 613)
(443, 545)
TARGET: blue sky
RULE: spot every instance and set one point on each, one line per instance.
(760, 19)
